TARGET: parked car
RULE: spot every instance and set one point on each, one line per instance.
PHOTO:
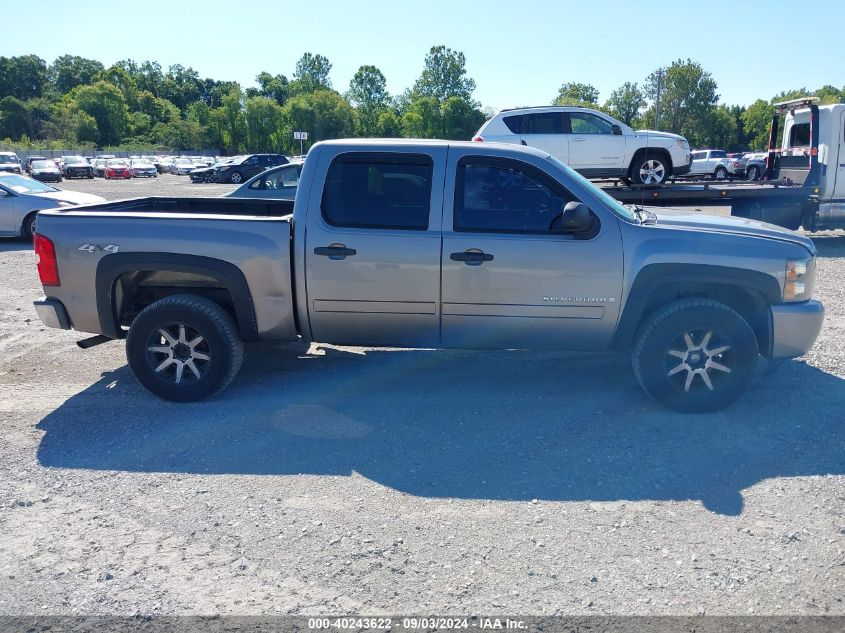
(29, 161)
(432, 244)
(245, 167)
(591, 142)
(206, 174)
(278, 183)
(182, 166)
(716, 163)
(117, 168)
(202, 161)
(45, 171)
(10, 163)
(142, 168)
(99, 165)
(21, 198)
(77, 167)
(755, 165)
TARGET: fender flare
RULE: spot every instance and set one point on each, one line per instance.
(230, 277)
(653, 277)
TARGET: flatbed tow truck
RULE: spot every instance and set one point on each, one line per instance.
(804, 181)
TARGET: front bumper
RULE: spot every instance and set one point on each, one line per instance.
(795, 327)
(680, 170)
(52, 313)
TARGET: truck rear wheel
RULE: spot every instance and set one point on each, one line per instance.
(184, 348)
(695, 355)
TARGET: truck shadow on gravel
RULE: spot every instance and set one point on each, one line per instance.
(475, 425)
(830, 245)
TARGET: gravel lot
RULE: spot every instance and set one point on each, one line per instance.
(338, 480)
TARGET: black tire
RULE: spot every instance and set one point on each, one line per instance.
(721, 173)
(201, 318)
(677, 382)
(650, 168)
(753, 173)
(28, 226)
(236, 178)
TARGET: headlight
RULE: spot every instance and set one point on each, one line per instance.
(682, 144)
(799, 278)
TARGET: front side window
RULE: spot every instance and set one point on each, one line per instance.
(505, 196)
(386, 191)
(718, 154)
(698, 156)
(586, 123)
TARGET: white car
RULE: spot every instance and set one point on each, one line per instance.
(715, 163)
(142, 168)
(277, 183)
(591, 142)
(21, 198)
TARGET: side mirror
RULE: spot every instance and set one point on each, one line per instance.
(616, 129)
(577, 218)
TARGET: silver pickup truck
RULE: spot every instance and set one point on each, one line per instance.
(430, 244)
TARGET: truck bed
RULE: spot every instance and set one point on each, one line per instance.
(205, 206)
(237, 251)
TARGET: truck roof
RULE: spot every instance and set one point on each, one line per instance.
(387, 143)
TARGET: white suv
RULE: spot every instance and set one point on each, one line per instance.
(593, 143)
(716, 163)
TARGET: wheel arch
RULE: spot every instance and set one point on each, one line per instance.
(748, 292)
(111, 296)
(641, 152)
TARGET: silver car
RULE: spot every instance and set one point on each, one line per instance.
(279, 183)
(21, 198)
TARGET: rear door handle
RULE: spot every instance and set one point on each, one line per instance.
(335, 251)
(471, 258)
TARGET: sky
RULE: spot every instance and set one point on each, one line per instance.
(518, 52)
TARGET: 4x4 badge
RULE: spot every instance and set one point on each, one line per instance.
(91, 248)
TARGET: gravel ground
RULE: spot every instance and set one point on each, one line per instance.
(338, 480)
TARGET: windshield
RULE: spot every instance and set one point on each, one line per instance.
(141, 163)
(43, 164)
(75, 160)
(610, 202)
(20, 184)
(5, 158)
(182, 161)
(116, 163)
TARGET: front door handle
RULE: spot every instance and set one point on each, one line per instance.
(335, 251)
(471, 257)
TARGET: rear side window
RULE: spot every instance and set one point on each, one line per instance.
(799, 135)
(514, 123)
(385, 191)
(543, 123)
(718, 154)
(506, 196)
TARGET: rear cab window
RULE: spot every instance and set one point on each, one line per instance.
(799, 135)
(378, 191)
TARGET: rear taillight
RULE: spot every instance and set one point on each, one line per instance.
(479, 139)
(48, 267)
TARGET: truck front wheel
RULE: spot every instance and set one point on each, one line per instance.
(695, 355)
(184, 348)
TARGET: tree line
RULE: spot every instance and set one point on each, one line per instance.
(76, 102)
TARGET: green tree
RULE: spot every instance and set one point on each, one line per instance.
(688, 94)
(14, 118)
(626, 102)
(181, 86)
(460, 119)
(757, 121)
(23, 77)
(577, 94)
(228, 121)
(264, 121)
(69, 71)
(178, 134)
(312, 74)
(388, 125)
(118, 76)
(368, 93)
(324, 114)
(276, 87)
(444, 76)
(104, 102)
